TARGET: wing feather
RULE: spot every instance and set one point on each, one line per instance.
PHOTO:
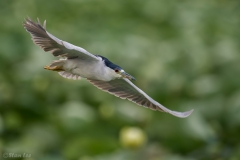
(69, 75)
(125, 89)
(57, 47)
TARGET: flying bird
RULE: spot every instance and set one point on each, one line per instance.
(76, 63)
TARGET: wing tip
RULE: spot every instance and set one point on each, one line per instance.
(28, 22)
(181, 114)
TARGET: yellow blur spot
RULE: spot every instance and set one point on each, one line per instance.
(132, 137)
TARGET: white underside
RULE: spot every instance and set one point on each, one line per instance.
(90, 69)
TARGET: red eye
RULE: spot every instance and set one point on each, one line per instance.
(116, 70)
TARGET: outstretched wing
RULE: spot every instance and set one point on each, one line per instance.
(57, 47)
(125, 89)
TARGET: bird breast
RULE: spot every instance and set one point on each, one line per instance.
(90, 69)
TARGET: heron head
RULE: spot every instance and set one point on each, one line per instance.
(116, 68)
(124, 74)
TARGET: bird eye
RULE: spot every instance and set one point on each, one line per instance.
(116, 70)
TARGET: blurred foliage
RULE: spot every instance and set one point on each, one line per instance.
(185, 54)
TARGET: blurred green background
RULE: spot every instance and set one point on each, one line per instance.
(185, 54)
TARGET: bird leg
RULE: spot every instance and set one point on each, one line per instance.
(54, 68)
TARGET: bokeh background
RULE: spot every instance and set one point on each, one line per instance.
(185, 54)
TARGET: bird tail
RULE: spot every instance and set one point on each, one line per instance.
(56, 65)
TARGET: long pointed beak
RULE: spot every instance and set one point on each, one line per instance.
(126, 75)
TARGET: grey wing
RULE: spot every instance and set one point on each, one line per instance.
(125, 89)
(57, 47)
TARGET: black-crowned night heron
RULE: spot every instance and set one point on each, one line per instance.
(75, 62)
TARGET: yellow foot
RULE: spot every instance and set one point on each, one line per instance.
(54, 68)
